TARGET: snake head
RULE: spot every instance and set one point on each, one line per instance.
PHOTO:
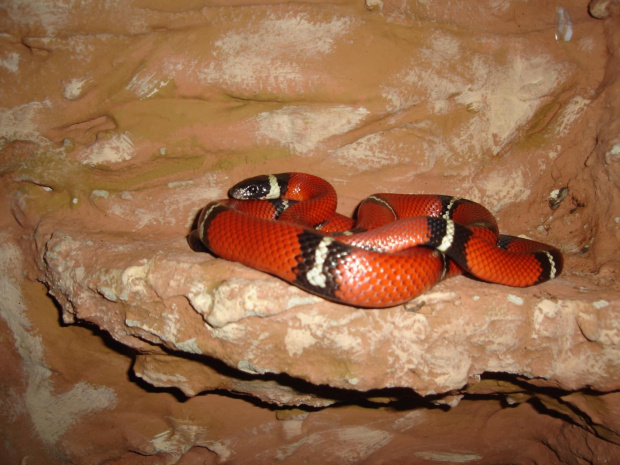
(264, 187)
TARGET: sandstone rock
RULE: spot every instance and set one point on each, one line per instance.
(122, 345)
(159, 295)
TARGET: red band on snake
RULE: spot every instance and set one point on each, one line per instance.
(399, 247)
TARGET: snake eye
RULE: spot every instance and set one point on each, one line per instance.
(253, 191)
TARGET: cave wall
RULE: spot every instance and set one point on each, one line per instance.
(119, 122)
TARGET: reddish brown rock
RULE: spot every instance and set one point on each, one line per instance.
(122, 345)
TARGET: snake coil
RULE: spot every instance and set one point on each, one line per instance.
(399, 246)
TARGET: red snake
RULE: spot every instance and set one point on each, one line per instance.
(400, 246)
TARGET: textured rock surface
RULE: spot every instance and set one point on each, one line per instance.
(121, 345)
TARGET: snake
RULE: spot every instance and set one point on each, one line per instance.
(397, 247)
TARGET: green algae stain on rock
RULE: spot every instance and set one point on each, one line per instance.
(259, 154)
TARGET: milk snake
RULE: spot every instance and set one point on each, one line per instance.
(400, 246)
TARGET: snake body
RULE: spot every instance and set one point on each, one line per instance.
(399, 247)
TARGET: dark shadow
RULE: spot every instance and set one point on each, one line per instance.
(394, 398)
(400, 398)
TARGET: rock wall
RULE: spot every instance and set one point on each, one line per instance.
(124, 346)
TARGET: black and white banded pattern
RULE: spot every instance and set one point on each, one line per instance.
(449, 238)
(548, 264)
(207, 215)
(317, 265)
